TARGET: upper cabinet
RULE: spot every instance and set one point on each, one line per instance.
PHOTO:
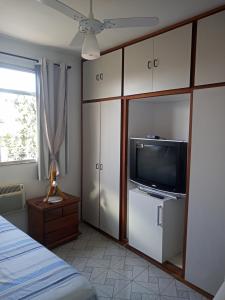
(138, 68)
(159, 63)
(102, 77)
(172, 59)
(210, 54)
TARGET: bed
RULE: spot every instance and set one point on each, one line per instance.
(30, 271)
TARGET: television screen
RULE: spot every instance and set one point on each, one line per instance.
(159, 164)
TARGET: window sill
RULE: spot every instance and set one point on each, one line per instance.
(19, 162)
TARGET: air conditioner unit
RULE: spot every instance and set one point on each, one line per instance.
(12, 198)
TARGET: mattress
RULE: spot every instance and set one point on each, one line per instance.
(30, 271)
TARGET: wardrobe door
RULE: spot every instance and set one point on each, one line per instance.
(210, 51)
(110, 75)
(91, 152)
(110, 167)
(205, 257)
(172, 59)
(138, 68)
(102, 77)
(91, 79)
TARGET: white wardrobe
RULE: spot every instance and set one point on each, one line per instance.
(101, 165)
(205, 263)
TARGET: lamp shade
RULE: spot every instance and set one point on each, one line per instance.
(90, 48)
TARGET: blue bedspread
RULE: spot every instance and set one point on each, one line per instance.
(30, 271)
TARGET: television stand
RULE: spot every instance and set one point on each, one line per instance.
(156, 226)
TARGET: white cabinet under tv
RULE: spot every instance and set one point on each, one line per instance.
(155, 226)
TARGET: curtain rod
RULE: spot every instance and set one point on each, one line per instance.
(27, 58)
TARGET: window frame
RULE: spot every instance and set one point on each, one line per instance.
(22, 69)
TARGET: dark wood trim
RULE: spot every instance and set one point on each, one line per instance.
(193, 53)
(159, 93)
(187, 184)
(101, 99)
(123, 171)
(81, 146)
(171, 271)
(211, 85)
(166, 29)
(173, 268)
(122, 76)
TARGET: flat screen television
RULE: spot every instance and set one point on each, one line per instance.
(159, 164)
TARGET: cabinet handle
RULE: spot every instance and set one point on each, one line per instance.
(159, 208)
(97, 77)
(149, 64)
(101, 76)
(156, 62)
(101, 167)
(97, 166)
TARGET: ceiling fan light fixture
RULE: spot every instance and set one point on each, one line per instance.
(90, 48)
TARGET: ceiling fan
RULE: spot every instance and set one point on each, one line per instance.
(89, 27)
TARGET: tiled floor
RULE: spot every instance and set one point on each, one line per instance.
(117, 273)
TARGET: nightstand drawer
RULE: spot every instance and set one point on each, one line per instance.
(52, 214)
(70, 209)
(60, 234)
(60, 223)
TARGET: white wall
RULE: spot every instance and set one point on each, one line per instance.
(166, 116)
(27, 173)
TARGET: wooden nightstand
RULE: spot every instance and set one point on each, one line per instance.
(53, 224)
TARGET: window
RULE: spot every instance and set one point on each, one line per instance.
(18, 120)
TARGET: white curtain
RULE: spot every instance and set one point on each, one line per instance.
(52, 118)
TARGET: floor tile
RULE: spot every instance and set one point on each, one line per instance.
(144, 288)
(164, 283)
(122, 289)
(117, 262)
(170, 298)
(151, 297)
(86, 275)
(156, 272)
(170, 290)
(103, 290)
(135, 261)
(195, 296)
(138, 270)
(110, 281)
(115, 250)
(97, 252)
(117, 273)
(136, 296)
(78, 263)
(142, 276)
(98, 275)
(98, 263)
(183, 294)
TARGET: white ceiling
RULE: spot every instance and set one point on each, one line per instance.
(32, 21)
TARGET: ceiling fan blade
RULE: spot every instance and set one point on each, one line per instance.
(130, 22)
(64, 9)
(77, 41)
